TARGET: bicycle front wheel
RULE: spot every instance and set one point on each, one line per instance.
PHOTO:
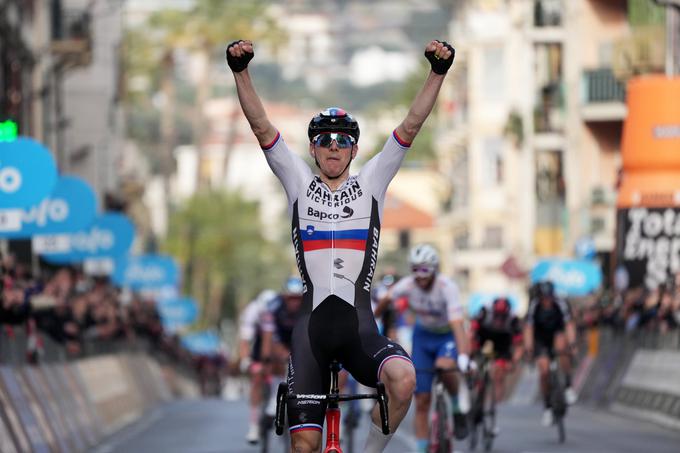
(489, 412)
(444, 429)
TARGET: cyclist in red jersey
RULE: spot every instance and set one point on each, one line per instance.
(335, 231)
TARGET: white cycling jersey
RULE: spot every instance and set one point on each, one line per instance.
(255, 318)
(435, 308)
(335, 233)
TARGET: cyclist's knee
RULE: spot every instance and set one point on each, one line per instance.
(422, 402)
(399, 377)
(306, 442)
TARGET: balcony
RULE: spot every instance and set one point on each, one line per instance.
(71, 36)
(549, 112)
(548, 21)
(548, 13)
(603, 96)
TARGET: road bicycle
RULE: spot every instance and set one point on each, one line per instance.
(333, 398)
(482, 415)
(440, 417)
(351, 417)
(557, 384)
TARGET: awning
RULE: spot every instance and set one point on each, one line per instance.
(649, 189)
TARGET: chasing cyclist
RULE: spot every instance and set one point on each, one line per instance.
(439, 338)
(549, 331)
(282, 315)
(254, 321)
(335, 231)
(502, 328)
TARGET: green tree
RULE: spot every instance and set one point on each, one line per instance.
(226, 260)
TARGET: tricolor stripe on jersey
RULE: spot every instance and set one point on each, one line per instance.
(341, 239)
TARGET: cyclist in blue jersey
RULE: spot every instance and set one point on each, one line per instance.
(439, 337)
(335, 231)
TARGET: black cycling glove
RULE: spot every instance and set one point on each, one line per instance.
(439, 65)
(238, 64)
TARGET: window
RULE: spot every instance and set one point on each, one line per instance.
(493, 237)
(404, 239)
(461, 240)
(493, 85)
(493, 165)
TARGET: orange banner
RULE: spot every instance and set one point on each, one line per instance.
(651, 189)
(651, 132)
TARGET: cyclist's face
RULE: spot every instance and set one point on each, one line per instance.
(293, 302)
(333, 158)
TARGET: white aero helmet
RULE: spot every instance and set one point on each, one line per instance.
(425, 256)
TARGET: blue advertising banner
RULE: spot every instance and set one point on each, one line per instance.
(479, 300)
(146, 272)
(205, 342)
(110, 235)
(28, 173)
(177, 313)
(70, 207)
(570, 277)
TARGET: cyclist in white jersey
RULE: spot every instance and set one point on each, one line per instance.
(439, 338)
(335, 231)
(255, 322)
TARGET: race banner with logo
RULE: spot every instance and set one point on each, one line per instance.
(205, 342)
(108, 237)
(70, 207)
(146, 272)
(570, 277)
(177, 314)
(28, 174)
(649, 245)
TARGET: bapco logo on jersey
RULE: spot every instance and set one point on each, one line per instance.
(330, 216)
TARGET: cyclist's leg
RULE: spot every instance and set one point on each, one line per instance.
(371, 357)
(423, 355)
(256, 375)
(498, 374)
(542, 353)
(447, 353)
(308, 373)
(560, 347)
(446, 356)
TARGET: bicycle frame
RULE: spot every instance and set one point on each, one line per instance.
(333, 398)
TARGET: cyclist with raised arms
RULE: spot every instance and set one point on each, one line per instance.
(335, 231)
(439, 338)
(550, 330)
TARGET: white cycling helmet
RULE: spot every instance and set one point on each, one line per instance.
(424, 255)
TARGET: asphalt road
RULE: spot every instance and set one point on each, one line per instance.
(216, 425)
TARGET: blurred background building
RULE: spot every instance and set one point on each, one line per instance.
(520, 161)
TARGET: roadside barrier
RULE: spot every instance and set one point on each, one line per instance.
(60, 406)
(636, 373)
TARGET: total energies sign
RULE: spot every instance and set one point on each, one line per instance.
(650, 246)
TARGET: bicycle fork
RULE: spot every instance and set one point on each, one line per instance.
(333, 417)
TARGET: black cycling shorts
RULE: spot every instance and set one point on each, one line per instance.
(544, 343)
(333, 331)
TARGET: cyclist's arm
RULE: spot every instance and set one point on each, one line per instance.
(570, 331)
(458, 327)
(529, 338)
(267, 346)
(423, 103)
(252, 106)
(383, 303)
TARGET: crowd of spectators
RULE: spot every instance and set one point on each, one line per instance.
(82, 315)
(636, 309)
